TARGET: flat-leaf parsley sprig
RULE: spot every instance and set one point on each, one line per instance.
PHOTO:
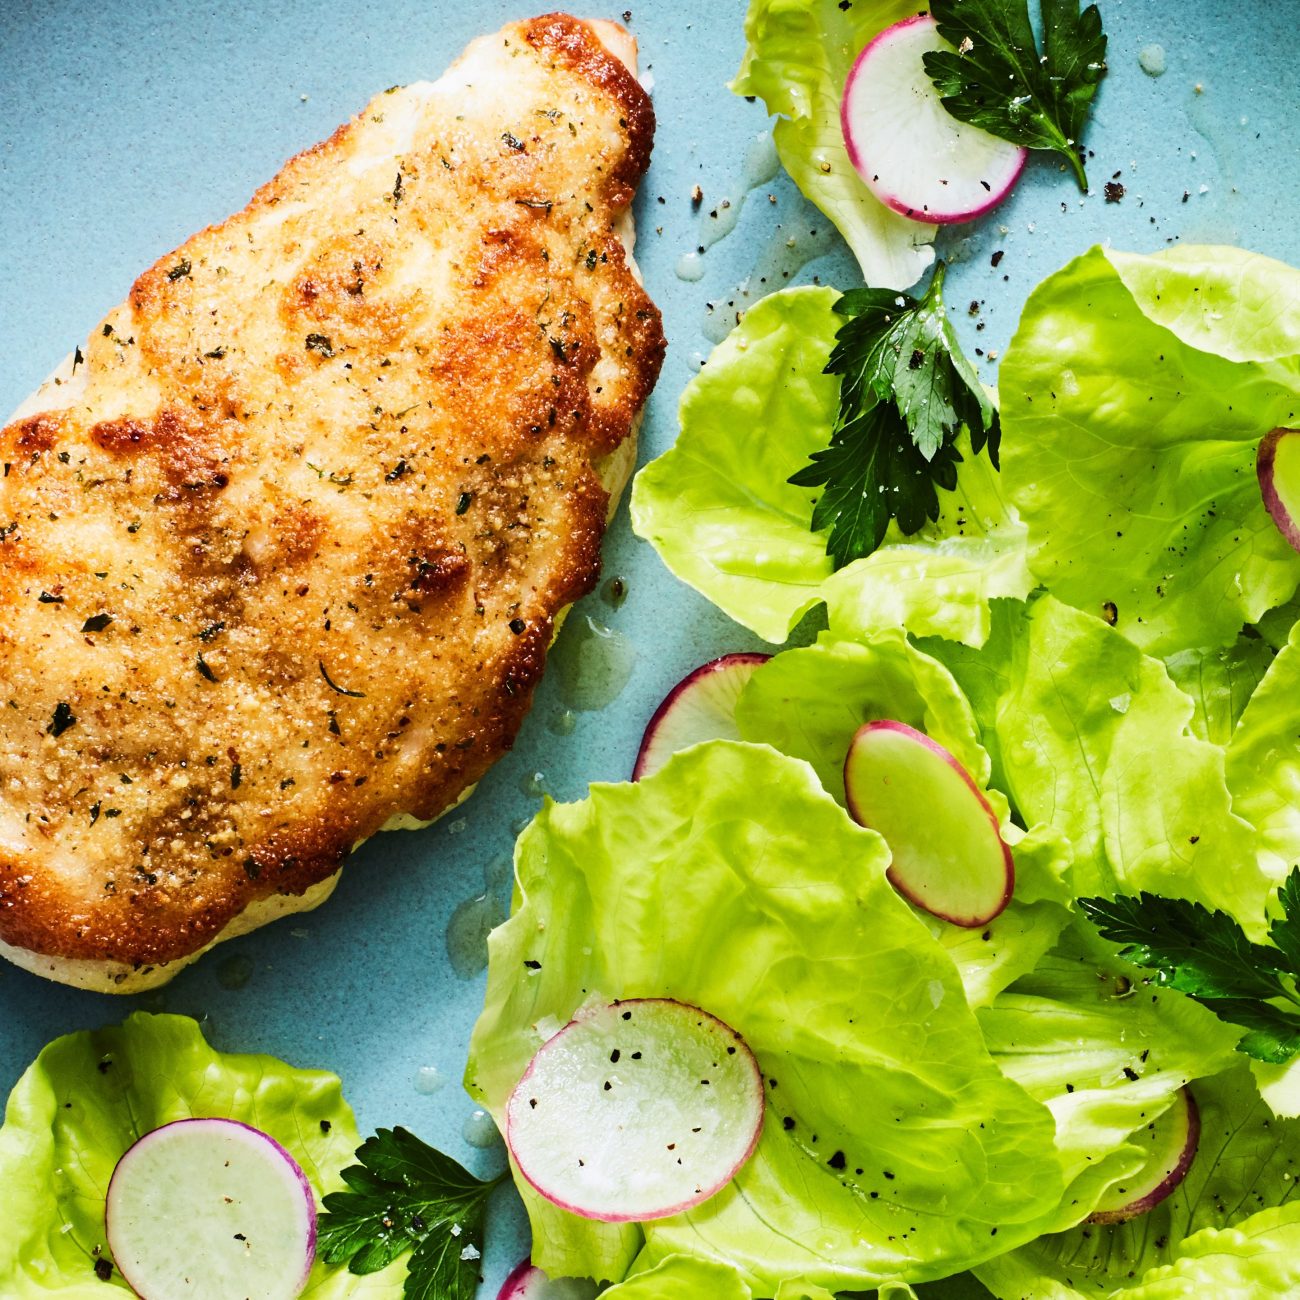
(405, 1196)
(996, 78)
(905, 390)
(1206, 955)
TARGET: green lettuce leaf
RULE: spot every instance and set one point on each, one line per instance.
(1263, 759)
(1209, 1238)
(1220, 683)
(90, 1095)
(682, 1277)
(1134, 397)
(940, 581)
(1259, 1256)
(1084, 1035)
(720, 511)
(717, 506)
(808, 703)
(732, 881)
(1094, 739)
(797, 58)
(984, 673)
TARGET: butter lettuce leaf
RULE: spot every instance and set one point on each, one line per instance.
(1263, 759)
(809, 702)
(1134, 396)
(682, 1277)
(1220, 683)
(717, 506)
(797, 57)
(1095, 740)
(720, 511)
(941, 580)
(1232, 1227)
(1105, 1053)
(89, 1096)
(732, 881)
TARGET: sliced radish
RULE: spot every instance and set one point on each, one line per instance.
(636, 1111)
(210, 1209)
(948, 854)
(1278, 467)
(914, 156)
(702, 706)
(528, 1282)
(1171, 1146)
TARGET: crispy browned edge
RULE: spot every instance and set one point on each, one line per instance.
(293, 861)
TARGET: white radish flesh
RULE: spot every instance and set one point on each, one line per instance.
(636, 1111)
(1170, 1142)
(210, 1209)
(913, 155)
(702, 706)
(528, 1282)
(948, 853)
(1278, 467)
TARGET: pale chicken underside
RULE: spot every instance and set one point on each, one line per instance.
(281, 558)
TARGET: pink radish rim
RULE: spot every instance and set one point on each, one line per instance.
(691, 1201)
(859, 165)
(308, 1191)
(1264, 462)
(714, 665)
(512, 1287)
(1165, 1188)
(948, 757)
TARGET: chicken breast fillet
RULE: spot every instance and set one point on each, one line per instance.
(282, 554)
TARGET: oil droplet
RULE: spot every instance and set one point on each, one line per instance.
(595, 663)
(235, 971)
(563, 723)
(1151, 59)
(471, 923)
(761, 165)
(467, 933)
(614, 592)
(761, 161)
(429, 1080)
(481, 1131)
(500, 871)
(533, 784)
(690, 267)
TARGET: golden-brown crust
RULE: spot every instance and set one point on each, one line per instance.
(577, 47)
(291, 562)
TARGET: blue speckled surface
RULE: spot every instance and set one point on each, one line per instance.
(126, 127)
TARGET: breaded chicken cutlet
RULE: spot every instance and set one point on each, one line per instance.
(282, 553)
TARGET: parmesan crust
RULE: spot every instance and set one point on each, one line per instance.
(281, 559)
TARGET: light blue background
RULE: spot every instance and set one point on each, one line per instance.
(125, 127)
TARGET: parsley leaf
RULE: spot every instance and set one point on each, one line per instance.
(405, 1196)
(997, 79)
(1207, 956)
(1285, 931)
(905, 390)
